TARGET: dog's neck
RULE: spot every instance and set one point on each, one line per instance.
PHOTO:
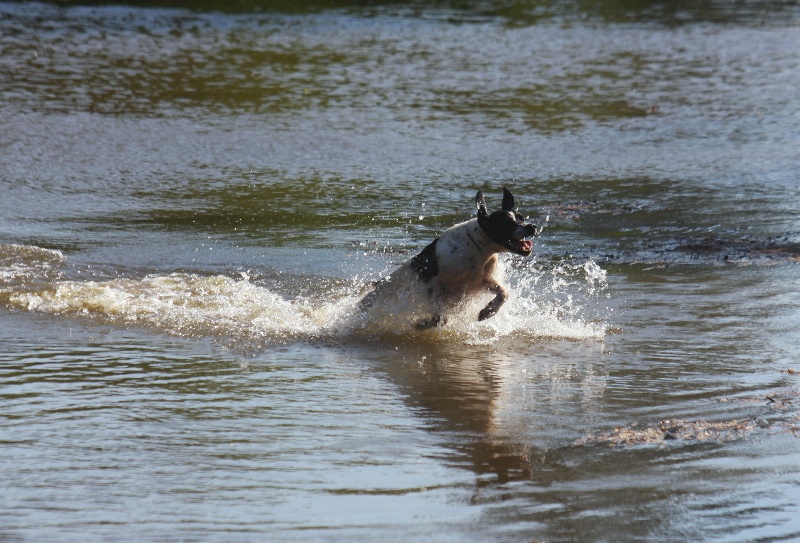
(463, 247)
(481, 241)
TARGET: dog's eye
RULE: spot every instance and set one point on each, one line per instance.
(519, 217)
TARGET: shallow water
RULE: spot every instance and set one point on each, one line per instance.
(193, 200)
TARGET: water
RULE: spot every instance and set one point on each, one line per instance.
(193, 200)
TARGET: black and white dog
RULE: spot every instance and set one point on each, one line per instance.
(463, 262)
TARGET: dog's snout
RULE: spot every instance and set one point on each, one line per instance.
(526, 231)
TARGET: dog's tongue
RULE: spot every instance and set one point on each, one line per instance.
(524, 244)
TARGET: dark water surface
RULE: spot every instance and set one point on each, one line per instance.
(193, 197)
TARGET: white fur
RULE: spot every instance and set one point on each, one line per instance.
(467, 265)
(467, 260)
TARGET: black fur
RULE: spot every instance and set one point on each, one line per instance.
(506, 226)
(425, 263)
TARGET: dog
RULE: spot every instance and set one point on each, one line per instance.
(463, 262)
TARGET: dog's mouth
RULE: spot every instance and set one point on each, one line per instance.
(518, 244)
(521, 246)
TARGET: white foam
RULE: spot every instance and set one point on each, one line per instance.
(553, 303)
(557, 303)
(185, 304)
(19, 263)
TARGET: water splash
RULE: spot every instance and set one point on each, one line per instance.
(559, 301)
(243, 314)
(24, 263)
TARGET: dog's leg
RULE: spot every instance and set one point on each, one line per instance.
(436, 320)
(437, 293)
(494, 306)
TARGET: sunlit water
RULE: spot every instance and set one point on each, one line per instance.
(193, 201)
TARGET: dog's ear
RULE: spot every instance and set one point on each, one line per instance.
(481, 205)
(508, 200)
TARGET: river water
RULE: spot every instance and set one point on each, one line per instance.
(193, 198)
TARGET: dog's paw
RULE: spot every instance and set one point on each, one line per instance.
(436, 320)
(486, 312)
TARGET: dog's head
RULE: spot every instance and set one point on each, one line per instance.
(506, 227)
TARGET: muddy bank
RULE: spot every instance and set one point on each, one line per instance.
(780, 416)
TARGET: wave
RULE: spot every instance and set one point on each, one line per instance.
(243, 313)
(21, 263)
